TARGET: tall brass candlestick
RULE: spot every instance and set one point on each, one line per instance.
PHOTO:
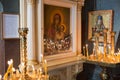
(105, 42)
(23, 46)
(112, 42)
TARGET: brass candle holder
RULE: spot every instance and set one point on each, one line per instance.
(25, 71)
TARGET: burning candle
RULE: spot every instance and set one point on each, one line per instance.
(45, 67)
(87, 50)
(112, 42)
(0, 77)
(109, 49)
(83, 50)
(40, 71)
(33, 69)
(94, 49)
(10, 62)
(41, 58)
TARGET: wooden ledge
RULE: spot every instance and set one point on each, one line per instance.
(65, 62)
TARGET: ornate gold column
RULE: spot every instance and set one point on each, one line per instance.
(80, 4)
(31, 36)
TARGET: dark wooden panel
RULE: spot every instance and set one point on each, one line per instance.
(12, 51)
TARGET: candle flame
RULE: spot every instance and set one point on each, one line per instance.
(0, 77)
(13, 69)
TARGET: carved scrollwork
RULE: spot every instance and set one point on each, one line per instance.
(31, 1)
(80, 3)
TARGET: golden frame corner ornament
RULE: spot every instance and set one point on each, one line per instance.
(73, 29)
(107, 21)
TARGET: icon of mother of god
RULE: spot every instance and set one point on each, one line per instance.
(56, 30)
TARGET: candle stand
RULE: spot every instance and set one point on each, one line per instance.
(25, 71)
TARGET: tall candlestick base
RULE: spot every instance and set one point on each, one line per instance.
(23, 47)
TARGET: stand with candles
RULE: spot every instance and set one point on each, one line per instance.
(105, 59)
(25, 72)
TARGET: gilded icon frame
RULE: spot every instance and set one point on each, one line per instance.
(73, 30)
(107, 21)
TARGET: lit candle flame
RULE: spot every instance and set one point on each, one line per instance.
(0, 77)
(13, 69)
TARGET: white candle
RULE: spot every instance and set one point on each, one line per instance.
(41, 58)
(109, 49)
(83, 50)
(33, 69)
(87, 50)
(45, 67)
(23, 14)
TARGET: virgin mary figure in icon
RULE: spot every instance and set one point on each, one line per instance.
(57, 30)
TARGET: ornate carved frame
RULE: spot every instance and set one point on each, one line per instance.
(74, 27)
